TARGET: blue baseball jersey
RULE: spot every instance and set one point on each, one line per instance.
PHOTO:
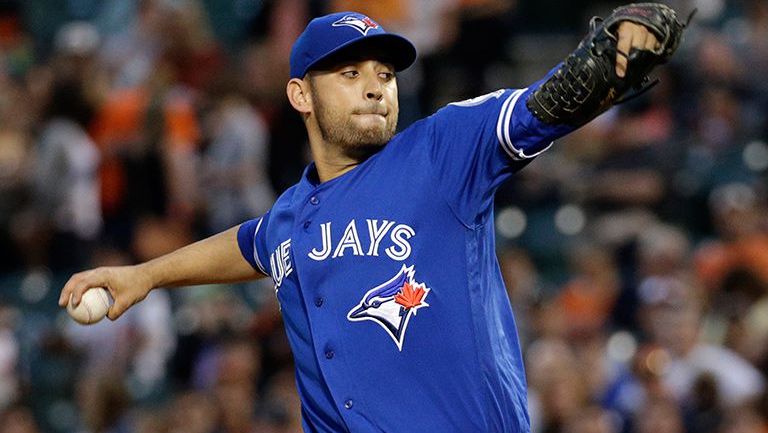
(388, 281)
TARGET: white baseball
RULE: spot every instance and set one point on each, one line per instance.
(93, 306)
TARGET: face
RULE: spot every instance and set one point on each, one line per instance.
(355, 104)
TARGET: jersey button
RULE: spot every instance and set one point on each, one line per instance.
(307, 224)
(318, 302)
(348, 404)
(329, 354)
(314, 200)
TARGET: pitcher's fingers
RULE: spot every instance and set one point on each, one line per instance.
(87, 280)
(651, 43)
(69, 286)
(111, 290)
(639, 38)
(622, 50)
(64, 295)
(117, 309)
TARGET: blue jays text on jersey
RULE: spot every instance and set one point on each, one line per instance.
(280, 260)
(390, 290)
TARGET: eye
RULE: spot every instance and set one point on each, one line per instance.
(350, 74)
(375, 304)
(386, 76)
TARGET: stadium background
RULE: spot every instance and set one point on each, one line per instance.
(635, 251)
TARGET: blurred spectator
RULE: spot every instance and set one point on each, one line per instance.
(229, 372)
(130, 55)
(659, 250)
(587, 299)
(281, 391)
(672, 318)
(234, 180)
(9, 355)
(105, 403)
(16, 160)
(756, 49)
(659, 416)
(151, 420)
(148, 128)
(742, 244)
(704, 410)
(743, 304)
(524, 286)
(264, 81)
(663, 250)
(648, 367)
(190, 51)
(483, 25)
(16, 48)
(18, 419)
(17, 116)
(559, 391)
(592, 420)
(66, 182)
(193, 412)
(743, 420)
(148, 138)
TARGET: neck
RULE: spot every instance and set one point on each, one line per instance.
(332, 160)
(332, 166)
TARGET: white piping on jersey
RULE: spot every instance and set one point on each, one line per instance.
(255, 250)
(502, 128)
(500, 123)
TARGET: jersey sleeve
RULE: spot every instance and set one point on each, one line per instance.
(478, 143)
(251, 238)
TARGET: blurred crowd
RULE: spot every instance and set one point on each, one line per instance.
(635, 251)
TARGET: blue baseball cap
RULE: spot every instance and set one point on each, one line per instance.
(334, 35)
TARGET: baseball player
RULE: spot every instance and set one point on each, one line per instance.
(382, 255)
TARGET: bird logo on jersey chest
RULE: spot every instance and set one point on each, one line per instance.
(392, 304)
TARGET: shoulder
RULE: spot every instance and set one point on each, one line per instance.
(285, 199)
(477, 104)
(409, 140)
(454, 112)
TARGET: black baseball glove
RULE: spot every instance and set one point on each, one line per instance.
(586, 83)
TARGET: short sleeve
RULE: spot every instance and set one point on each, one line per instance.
(251, 238)
(479, 143)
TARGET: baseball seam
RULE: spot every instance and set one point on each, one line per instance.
(104, 298)
(88, 309)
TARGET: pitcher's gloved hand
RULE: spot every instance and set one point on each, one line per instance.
(617, 55)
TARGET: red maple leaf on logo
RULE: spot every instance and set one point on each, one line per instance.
(408, 297)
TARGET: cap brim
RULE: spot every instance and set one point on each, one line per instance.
(386, 47)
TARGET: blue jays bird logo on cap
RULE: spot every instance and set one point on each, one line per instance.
(392, 304)
(361, 23)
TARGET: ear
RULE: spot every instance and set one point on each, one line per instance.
(299, 95)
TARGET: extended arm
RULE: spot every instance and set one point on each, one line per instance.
(216, 259)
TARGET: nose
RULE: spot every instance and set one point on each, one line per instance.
(373, 89)
(376, 95)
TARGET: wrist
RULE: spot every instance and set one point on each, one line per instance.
(147, 276)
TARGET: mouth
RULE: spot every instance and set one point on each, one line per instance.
(381, 113)
(383, 116)
(371, 118)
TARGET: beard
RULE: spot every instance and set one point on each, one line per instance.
(354, 139)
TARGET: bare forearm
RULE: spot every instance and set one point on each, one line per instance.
(213, 260)
(216, 259)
